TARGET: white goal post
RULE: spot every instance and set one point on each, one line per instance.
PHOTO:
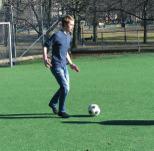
(9, 41)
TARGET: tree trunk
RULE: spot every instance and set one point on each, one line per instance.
(145, 31)
(145, 21)
(94, 24)
(75, 39)
(49, 14)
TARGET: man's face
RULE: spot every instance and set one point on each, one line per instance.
(69, 27)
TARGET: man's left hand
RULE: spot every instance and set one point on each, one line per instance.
(74, 67)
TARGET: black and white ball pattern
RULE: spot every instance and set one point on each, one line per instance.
(94, 109)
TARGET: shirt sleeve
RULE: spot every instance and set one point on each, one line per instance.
(49, 41)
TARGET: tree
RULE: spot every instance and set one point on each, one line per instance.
(141, 9)
(77, 9)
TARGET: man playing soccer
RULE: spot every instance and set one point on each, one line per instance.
(60, 42)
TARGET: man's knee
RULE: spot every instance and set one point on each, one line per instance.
(65, 89)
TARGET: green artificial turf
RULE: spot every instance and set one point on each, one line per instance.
(122, 85)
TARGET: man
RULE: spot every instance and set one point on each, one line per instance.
(60, 42)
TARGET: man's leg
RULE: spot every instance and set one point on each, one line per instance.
(62, 77)
(64, 90)
(55, 98)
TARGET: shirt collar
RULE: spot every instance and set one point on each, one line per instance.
(65, 32)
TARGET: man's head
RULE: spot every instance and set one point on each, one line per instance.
(68, 23)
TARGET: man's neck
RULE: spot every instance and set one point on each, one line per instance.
(65, 32)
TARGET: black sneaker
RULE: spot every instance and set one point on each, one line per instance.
(54, 110)
(63, 114)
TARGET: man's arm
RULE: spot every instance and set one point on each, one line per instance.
(72, 65)
(69, 59)
(47, 61)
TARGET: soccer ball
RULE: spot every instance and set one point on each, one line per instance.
(94, 109)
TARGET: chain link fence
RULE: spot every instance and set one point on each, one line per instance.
(110, 38)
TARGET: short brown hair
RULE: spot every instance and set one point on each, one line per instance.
(66, 19)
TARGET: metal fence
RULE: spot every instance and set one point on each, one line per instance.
(110, 38)
(117, 38)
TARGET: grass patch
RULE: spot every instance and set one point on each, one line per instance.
(122, 85)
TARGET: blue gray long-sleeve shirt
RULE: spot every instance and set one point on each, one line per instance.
(60, 43)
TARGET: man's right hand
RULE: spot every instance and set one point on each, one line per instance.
(47, 62)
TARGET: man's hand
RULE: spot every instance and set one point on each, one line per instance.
(47, 62)
(74, 67)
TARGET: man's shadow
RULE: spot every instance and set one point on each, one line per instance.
(27, 116)
(128, 122)
(35, 116)
(115, 122)
(105, 123)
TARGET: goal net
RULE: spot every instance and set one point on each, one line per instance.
(5, 44)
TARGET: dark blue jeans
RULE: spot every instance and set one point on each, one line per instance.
(62, 76)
